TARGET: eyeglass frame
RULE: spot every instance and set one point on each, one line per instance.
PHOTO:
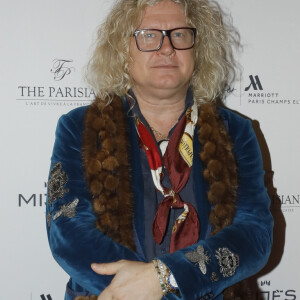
(164, 34)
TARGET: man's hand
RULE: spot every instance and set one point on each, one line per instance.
(132, 281)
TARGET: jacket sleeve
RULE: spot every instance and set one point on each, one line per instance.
(74, 240)
(205, 269)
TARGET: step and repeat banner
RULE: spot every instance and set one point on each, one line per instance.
(44, 48)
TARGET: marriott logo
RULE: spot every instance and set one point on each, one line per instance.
(254, 83)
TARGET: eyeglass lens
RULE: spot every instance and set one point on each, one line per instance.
(151, 39)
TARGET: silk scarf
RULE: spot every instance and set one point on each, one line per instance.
(177, 159)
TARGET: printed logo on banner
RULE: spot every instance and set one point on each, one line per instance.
(230, 90)
(286, 203)
(254, 83)
(48, 297)
(56, 94)
(32, 199)
(253, 91)
(61, 68)
(40, 297)
(271, 293)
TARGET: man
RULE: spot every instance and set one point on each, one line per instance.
(126, 192)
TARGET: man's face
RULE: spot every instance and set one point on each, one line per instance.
(167, 68)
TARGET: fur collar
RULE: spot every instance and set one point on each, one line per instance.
(106, 153)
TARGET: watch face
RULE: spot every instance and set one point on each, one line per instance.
(172, 282)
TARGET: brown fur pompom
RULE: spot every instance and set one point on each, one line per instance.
(97, 124)
(109, 144)
(110, 163)
(96, 187)
(215, 168)
(94, 166)
(111, 182)
(99, 207)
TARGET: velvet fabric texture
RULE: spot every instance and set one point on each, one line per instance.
(76, 242)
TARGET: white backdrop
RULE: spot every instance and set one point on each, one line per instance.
(44, 47)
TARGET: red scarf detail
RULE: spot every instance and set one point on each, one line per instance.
(186, 229)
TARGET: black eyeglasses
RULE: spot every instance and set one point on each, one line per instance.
(148, 40)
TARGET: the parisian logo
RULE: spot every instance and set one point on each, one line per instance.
(62, 68)
(56, 94)
(286, 203)
(256, 93)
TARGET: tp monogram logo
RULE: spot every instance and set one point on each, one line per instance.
(61, 69)
(255, 83)
(44, 298)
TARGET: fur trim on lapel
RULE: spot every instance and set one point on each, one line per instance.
(107, 170)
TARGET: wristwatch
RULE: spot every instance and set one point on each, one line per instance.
(171, 282)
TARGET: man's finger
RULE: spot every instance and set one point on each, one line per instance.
(107, 268)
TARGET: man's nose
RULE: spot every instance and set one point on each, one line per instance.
(166, 47)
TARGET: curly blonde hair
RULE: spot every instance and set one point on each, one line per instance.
(108, 68)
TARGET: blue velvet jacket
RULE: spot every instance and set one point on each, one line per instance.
(238, 251)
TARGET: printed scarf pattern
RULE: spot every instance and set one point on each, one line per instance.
(178, 160)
